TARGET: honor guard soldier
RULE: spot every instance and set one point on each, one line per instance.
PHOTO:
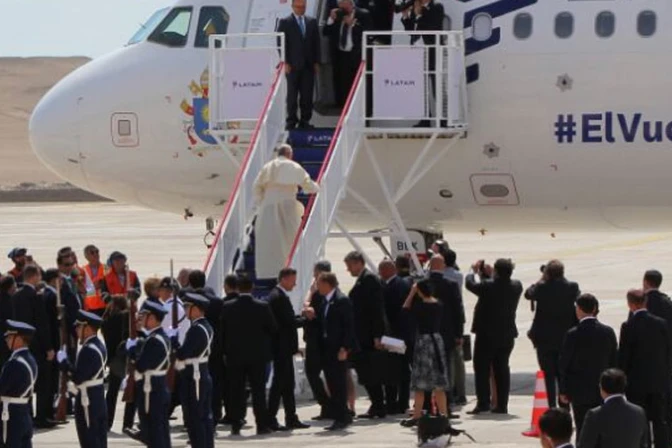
(16, 387)
(192, 359)
(151, 365)
(87, 376)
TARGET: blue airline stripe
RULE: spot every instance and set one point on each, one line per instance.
(473, 46)
(473, 73)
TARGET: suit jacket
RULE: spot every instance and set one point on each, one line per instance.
(589, 349)
(220, 332)
(431, 19)
(659, 304)
(312, 329)
(300, 52)
(367, 303)
(213, 314)
(394, 295)
(249, 327)
(555, 313)
(338, 325)
(286, 342)
(50, 304)
(449, 294)
(644, 354)
(28, 307)
(382, 13)
(615, 424)
(333, 31)
(495, 311)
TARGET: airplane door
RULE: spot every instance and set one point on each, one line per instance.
(494, 189)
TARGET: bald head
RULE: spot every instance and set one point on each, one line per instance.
(387, 269)
(284, 150)
(437, 263)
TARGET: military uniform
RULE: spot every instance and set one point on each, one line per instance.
(196, 390)
(17, 380)
(87, 376)
(152, 397)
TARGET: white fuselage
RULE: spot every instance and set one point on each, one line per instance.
(617, 90)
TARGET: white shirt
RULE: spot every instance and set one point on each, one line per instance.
(348, 42)
(639, 311)
(389, 280)
(287, 293)
(299, 20)
(614, 396)
(588, 318)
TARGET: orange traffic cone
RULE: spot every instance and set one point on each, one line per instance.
(540, 405)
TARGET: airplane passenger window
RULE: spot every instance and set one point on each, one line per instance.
(605, 24)
(522, 25)
(174, 29)
(213, 20)
(564, 25)
(482, 27)
(646, 23)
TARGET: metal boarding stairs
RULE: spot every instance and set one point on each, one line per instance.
(233, 251)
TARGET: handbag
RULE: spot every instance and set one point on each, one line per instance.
(466, 348)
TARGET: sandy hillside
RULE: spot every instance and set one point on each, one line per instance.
(22, 83)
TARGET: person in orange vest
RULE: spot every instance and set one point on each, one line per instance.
(115, 327)
(95, 273)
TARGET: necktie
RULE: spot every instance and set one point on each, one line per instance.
(326, 311)
(344, 36)
(302, 25)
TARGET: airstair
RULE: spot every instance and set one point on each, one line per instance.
(382, 104)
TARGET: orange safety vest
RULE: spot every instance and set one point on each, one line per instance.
(94, 301)
(113, 284)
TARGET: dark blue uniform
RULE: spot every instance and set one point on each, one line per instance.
(196, 384)
(16, 388)
(152, 397)
(90, 405)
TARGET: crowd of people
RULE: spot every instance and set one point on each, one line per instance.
(344, 25)
(186, 346)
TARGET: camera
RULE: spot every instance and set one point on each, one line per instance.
(340, 14)
(403, 6)
(542, 268)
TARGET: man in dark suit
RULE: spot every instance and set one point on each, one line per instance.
(644, 356)
(425, 15)
(302, 62)
(337, 343)
(382, 17)
(554, 298)
(230, 293)
(555, 426)
(249, 328)
(494, 325)
(617, 423)
(395, 292)
(50, 300)
(30, 308)
(367, 303)
(588, 350)
(312, 336)
(285, 346)
(345, 29)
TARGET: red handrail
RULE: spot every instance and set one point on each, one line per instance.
(327, 160)
(243, 165)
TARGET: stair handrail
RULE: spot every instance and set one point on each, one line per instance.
(332, 179)
(230, 238)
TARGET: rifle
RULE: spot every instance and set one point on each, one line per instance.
(62, 400)
(170, 376)
(129, 391)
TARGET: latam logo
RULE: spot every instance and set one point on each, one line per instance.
(324, 138)
(246, 84)
(399, 83)
(611, 127)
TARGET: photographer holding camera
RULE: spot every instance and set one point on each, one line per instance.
(495, 328)
(555, 315)
(345, 29)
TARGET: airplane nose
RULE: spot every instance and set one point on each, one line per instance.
(54, 134)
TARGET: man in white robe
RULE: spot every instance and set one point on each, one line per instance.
(279, 213)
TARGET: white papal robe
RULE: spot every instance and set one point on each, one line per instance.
(279, 215)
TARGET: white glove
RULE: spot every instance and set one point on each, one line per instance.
(61, 356)
(172, 332)
(130, 343)
(123, 383)
(180, 365)
(72, 389)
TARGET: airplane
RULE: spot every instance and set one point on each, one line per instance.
(569, 125)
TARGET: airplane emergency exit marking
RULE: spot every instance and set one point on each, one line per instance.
(611, 127)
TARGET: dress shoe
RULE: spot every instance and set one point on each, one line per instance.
(498, 410)
(295, 423)
(44, 424)
(409, 422)
(461, 401)
(373, 413)
(290, 127)
(277, 427)
(324, 415)
(337, 426)
(264, 431)
(132, 433)
(452, 416)
(478, 410)
(235, 430)
(303, 125)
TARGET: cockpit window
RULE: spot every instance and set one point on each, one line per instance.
(213, 20)
(173, 31)
(148, 26)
